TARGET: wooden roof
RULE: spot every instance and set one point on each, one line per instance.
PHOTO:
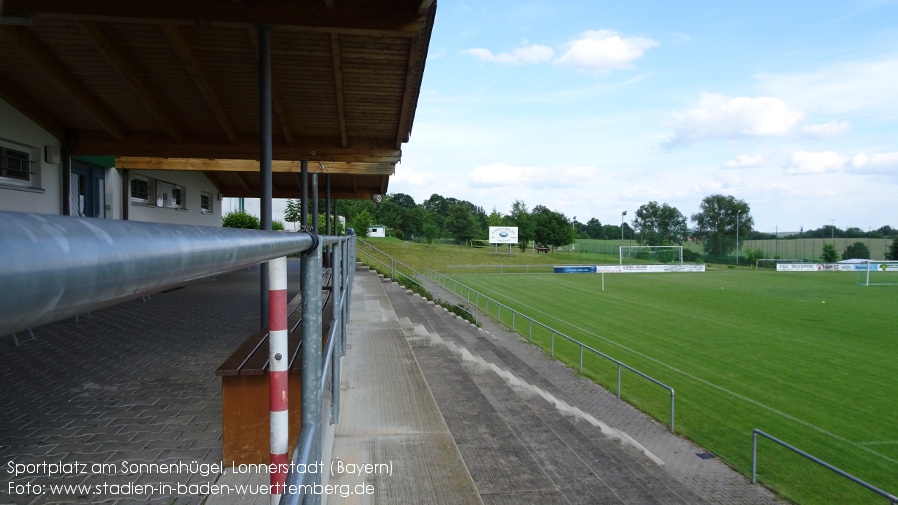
(178, 79)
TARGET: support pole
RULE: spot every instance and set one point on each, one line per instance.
(315, 203)
(265, 150)
(311, 354)
(277, 375)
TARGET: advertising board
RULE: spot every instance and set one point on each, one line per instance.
(503, 234)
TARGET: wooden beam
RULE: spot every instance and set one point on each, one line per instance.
(402, 132)
(120, 64)
(338, 83)
(378, 19)
(424, 6)
(330, 4)
(277, 100)
(213, 147)
(30, 109)
(192, 64)
(222, 165)
(31, 47)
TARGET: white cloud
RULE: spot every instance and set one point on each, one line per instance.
(875, 162)
(867, 86)
(603, 51)
(828, 130)
(720, 117)
(804, 162)
(503, 175)
(744, 161)
(534, 53)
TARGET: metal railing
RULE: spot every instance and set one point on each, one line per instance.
(893, 500)
(57, 267)
(452, 286)
(395, 269)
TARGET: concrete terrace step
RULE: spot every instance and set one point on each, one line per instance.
(520, 439)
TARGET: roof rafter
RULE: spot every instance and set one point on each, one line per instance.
(32, 48)
(192, 64)
(338, 84)
(228, 165)
(321, 17)
(409, 89)
(120, 64)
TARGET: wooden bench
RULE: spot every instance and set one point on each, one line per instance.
(542, 248)
(245, 410)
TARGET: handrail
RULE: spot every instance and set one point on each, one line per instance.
(435, 275)
(69, 266)
(754, 465)
(395, 272)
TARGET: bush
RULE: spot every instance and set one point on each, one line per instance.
(277, 225)
(237, 219)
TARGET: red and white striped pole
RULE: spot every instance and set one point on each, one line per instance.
(277, 374)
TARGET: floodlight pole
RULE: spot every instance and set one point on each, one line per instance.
(624, 213)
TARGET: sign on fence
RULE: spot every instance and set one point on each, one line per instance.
(627, 269)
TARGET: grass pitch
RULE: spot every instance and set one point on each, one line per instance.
(743, 348)
(806, 357)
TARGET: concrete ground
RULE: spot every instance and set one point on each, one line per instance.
(433, 411)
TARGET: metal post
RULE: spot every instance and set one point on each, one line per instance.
(618, 381)
(581, 359)
(277, 375)
(315, 202)
(531, 331)
(265, 150)
(553, 343)
(671, 410)
(304, 183)
(754, 457)
(311, 352)
(337, 323)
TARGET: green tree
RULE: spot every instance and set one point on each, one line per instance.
(593, 229)
(716, 223)
(660, 224)
(495, 218)
(293, 213)
(551, 228)
(520, 217)
(461, 224)
(753, 255)
(238, 219)
(829, 253)
(857, 250)
(892, 250)
(361, 223)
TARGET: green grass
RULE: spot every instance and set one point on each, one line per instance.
(744, 349)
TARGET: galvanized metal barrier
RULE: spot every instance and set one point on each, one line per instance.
(893, 500)
(57, 267)
(451, 286)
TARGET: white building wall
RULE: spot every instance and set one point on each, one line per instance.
(195, 184)
(43, 196)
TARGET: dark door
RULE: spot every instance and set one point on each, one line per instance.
(88, 197)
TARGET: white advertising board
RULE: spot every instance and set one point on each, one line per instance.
(636, 269)
(503, 234)
(816, 267)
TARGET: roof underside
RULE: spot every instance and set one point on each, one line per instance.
(179, 79)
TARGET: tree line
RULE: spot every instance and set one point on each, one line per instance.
(716, 226)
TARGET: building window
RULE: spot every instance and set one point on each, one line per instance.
(140, 189)
(170, 196)
(205, 203)
(15, 165)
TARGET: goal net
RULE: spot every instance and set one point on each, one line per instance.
(651, 254)
(877, 273)
(773, 262)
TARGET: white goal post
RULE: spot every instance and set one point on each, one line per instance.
(877, 273)
(657, 253)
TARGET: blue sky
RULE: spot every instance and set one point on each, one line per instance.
(594, 107)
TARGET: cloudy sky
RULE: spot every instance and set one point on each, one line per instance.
(593, 107)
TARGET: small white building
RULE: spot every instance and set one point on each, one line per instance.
(377, 230)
